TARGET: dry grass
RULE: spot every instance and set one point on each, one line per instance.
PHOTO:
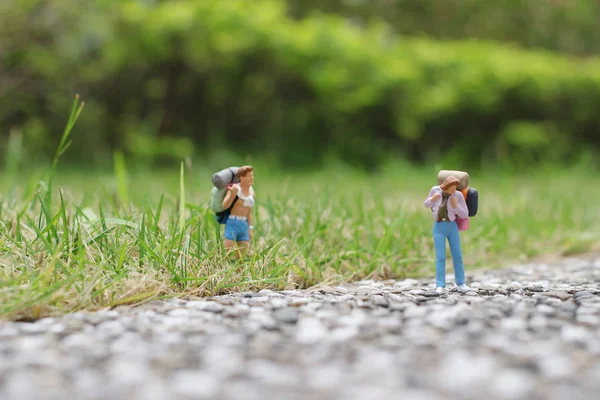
(77, 249)
(86, 240)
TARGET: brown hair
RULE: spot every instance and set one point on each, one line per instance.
(243, 171)
(449, 182)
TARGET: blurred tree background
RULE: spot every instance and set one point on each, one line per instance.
(514, 82)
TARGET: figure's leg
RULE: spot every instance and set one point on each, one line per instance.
(243, 248)
(456, 252)
(439, 242)
(228, 244)
(229, 235)
(244, 238)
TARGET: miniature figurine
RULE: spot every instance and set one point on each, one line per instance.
(238, 215)
(447, 204)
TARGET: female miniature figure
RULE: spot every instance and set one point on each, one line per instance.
(238, 227)
(447, 203)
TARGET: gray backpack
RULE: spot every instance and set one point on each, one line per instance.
(222, 180)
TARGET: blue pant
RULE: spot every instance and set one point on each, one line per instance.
(441, 231)
(236, 230)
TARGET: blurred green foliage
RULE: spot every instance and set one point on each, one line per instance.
(183, 78)
(559, 25)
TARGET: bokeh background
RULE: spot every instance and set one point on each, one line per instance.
(470, 83)
(347, 109)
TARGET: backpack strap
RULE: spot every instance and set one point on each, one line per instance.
(223, 216)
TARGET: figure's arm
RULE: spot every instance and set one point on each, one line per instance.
(461, 208)
(433, 196)
(249, 218)
(230, 196)
(250, 226)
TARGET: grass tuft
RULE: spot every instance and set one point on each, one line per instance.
(323, 228)
(137, 235)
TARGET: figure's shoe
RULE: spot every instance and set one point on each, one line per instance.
(464, 288)
(440, 290)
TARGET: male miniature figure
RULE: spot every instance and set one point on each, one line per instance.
(447, 203)
(238, 227)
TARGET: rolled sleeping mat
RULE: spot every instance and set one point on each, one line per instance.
(462, 176)
(223, 178)
(216, 199)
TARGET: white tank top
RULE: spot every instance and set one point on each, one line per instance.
(248, 200)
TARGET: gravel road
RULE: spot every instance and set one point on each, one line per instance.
(525, 332)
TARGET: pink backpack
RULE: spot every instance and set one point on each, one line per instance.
(463, 223)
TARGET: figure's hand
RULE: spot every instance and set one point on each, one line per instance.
(435, 197)
(453, 202)
(234, 190)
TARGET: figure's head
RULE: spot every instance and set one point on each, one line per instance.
(449, 184)
(246, 175)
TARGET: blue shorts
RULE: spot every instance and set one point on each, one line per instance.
(236, 229)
